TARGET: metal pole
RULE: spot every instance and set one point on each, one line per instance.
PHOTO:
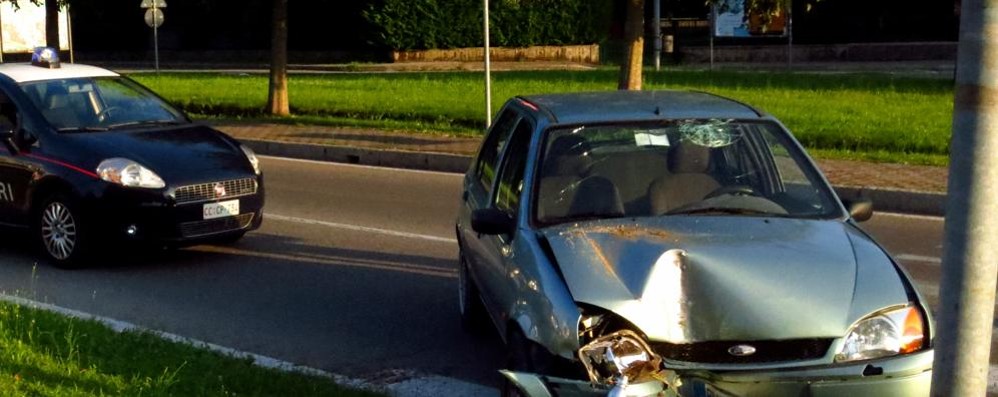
(488, 71)
(790, 35)
(155, 34)
(657, 29)
(1, 35)
(712, 16)
(69, 33)
(970, 254)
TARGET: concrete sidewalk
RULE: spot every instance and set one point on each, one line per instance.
(893, 187)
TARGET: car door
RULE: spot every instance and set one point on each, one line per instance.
(478, 185)
(15, 173)
(508, 192)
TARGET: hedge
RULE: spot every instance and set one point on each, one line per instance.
(429, 24)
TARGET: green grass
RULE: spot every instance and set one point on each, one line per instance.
(866, 116)
(45, 354)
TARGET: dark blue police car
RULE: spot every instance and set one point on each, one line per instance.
(91, 158)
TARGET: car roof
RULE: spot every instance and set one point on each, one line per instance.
(25, 72)
(590, 107)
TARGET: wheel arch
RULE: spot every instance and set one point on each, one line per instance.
(45, 188)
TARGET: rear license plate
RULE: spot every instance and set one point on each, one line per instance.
(221, 209)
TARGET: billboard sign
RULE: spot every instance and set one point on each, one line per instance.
(733, 19)
(23, 28)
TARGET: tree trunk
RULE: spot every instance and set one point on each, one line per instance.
(52, 24)
(277, 100)
(630, 68)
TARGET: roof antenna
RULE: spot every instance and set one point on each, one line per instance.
(658, 111)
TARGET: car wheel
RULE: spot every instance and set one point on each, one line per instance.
(469, 301)
(60, 231)
(518, 359)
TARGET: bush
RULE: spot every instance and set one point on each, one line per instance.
(426, 24)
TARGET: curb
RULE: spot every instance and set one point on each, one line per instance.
(402, 384)
(886, 200)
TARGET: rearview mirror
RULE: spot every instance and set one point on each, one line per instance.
(860, 209)
(492, 222)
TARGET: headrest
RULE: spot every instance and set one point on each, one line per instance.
(56, 96)
(688, 158)
(568, 155)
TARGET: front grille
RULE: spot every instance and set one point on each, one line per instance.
(766, 351)
(211, 190)
(213, 226)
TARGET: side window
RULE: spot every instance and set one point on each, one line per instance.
(488, 159)
(513, 169)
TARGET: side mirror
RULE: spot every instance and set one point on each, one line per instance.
(860, 209)
(492, 222)
(9, 138)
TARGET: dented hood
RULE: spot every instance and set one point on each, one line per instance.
(685, 279)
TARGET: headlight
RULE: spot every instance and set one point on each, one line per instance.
(251, 156)
(614, 358)
(128, 173)
(884, 334)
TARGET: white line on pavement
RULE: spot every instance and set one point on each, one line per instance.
(392, 169)
(417, 387)
(359, 228)
(911, 216)
(919, 258)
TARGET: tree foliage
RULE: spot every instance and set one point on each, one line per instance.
(423, 24)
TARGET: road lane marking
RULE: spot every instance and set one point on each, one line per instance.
(358, 228)
(919, 258)
(424, 270)
(375, 167)
(419, 386)
(911, 216)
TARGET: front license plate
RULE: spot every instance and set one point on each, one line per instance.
(221, 209)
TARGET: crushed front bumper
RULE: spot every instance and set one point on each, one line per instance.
(908, 375)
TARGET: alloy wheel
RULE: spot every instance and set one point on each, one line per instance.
(58, 229)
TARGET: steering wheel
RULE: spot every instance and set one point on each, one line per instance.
(102, 116)
(734, 190)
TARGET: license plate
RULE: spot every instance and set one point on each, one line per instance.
(221, 209)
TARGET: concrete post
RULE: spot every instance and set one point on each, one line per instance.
(970, 257)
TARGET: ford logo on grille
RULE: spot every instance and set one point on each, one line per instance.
(741, 350)
(219, 190)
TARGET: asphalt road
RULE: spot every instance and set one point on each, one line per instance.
(354, 272)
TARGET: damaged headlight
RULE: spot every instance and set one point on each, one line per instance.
(884, 334)
(620, 358)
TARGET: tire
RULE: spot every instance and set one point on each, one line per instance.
(518, 359)
(61, 232)
(473, 317)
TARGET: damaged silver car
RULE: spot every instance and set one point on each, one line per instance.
(694, 230)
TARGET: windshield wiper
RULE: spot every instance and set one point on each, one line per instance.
(144, 123)
(724, 210)
(82, 129)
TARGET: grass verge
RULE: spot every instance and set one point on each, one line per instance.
(878, 116)
(46, 354)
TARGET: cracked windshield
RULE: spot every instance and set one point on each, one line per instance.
(715, 167)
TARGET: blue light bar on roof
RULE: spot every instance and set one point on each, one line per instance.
(45, 57)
